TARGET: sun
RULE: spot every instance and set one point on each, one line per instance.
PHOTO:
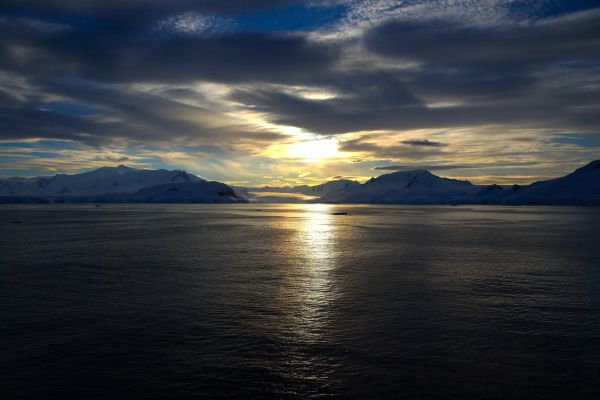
(313, 150)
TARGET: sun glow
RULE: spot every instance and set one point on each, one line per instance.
(314, 150)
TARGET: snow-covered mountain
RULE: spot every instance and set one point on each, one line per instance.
(102, 180)
(330, 187)
(406, 187)
(294, 194)
(581, 187)
(315, 190)
(187, 192)
(122, 184)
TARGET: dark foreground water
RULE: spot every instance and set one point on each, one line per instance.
(227, 301)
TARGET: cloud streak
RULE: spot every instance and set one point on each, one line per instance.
(423, 142)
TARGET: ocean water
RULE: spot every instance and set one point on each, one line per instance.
(290, 301)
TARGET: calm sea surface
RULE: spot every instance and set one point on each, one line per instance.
(290, 301)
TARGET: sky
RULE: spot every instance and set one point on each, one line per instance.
(287, 92)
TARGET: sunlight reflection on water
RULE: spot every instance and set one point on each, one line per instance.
(311, 287)
(317, 236)
(307, 296)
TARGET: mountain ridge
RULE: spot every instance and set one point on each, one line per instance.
(118, 184)
(131, 185)
(580, 187)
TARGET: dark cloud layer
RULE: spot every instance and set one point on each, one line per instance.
(394, 151)
(514, 75)
(449, 43)
(115, 56)
(127, 15)
(423, 142)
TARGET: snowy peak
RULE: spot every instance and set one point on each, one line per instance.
(103, 171)
(414, 179)
(331, 186)
(120, 168)
(121, 183)
(401, 176)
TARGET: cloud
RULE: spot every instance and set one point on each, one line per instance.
(113, 53)
(423, 142)
(136, 14)
(8, 98)
(193, 23)
(368, 100)
(367, 146)
(452, 43)
(118, 159)
(231, 58)
(451, 74)
(126, 115)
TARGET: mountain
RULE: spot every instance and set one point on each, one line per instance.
(315, 190)
(102, 180)
(330, 187)
(188, 192)
(118, 184)
(582, 187)
(405, 187)
(294, 194)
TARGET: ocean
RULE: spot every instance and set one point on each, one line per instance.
(294, 302)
